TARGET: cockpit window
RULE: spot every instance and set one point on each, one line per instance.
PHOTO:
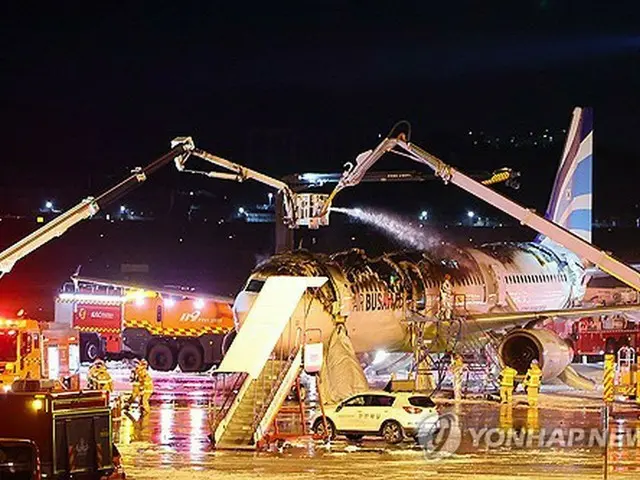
(254, 286)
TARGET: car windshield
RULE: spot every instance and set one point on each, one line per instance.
(424, 402)
(8, 346)
(16, 461)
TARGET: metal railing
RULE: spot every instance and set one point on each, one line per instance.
(275, 383)
(218, 413)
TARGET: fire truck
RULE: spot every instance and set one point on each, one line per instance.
(71, 430)
(592, 336)
(167, 327)
(30, 350)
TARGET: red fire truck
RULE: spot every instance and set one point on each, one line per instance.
(72, 430)
(596, 335)
(167, 327)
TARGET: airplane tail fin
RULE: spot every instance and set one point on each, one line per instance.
(571, 198)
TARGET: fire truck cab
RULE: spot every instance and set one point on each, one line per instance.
(72, 430)
(593, 336)
(29, 351)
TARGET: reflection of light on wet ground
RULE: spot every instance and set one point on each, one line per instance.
(166, 423)
(172, 443)
(196, 416)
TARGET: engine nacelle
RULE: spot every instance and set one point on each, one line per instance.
(520, 346)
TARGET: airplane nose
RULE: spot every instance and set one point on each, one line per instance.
(241, 306)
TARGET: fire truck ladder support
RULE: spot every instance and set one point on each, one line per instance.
(261, 366)
(401, 146)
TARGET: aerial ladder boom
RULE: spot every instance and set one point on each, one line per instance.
(87, 208)
(556, 233)
(239, 173)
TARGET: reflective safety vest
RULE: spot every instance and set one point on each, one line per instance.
(533, 377)
(457, 367)
(508, 376)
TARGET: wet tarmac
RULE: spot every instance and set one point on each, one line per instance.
(562, 439)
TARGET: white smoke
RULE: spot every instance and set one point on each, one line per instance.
(395, 226)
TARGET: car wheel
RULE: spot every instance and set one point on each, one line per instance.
(354, 437)
(190, 358)
(318, 429)
(161, 357)
(392, 432)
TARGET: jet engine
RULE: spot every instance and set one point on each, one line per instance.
(520, 346)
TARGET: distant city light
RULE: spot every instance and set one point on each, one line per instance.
(423, 215)
(198, 304)
(123, 209)
(471, 214)
(241, 210)
(48, 204)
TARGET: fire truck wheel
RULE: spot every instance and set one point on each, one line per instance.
(190, 358)
(227, 341)
(91, 349)
(161, 357)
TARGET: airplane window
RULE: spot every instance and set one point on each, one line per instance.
(254, 286)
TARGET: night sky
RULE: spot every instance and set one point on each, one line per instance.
(283, 87)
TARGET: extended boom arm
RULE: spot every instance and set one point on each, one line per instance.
(572, 242)
(240, 174)
(87, 208)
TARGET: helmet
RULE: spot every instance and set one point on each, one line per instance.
(534, 362)
(143, 363)
(447, 276)
(98, 362)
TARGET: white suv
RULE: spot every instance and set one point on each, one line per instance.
(389, 415)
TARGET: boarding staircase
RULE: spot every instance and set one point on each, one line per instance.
(261, 367)
(460, 334)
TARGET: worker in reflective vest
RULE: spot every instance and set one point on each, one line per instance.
(98, 377)
(507, 382)
(134, 378)
(532, 383)
(146, 385)
(457, 371)
(446, 298)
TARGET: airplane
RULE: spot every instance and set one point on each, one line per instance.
(375, 296)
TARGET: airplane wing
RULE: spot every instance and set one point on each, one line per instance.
(498, 321)
(595, 272)
(176, 292)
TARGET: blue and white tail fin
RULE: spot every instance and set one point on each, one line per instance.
(571, 198)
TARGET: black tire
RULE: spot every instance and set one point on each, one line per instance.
(392, 432)
(206, 367)
(90, 349)
(161, 357)
(610, 346)
(318, 428)
(227, 341)
(354, 437)
(190, 358)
